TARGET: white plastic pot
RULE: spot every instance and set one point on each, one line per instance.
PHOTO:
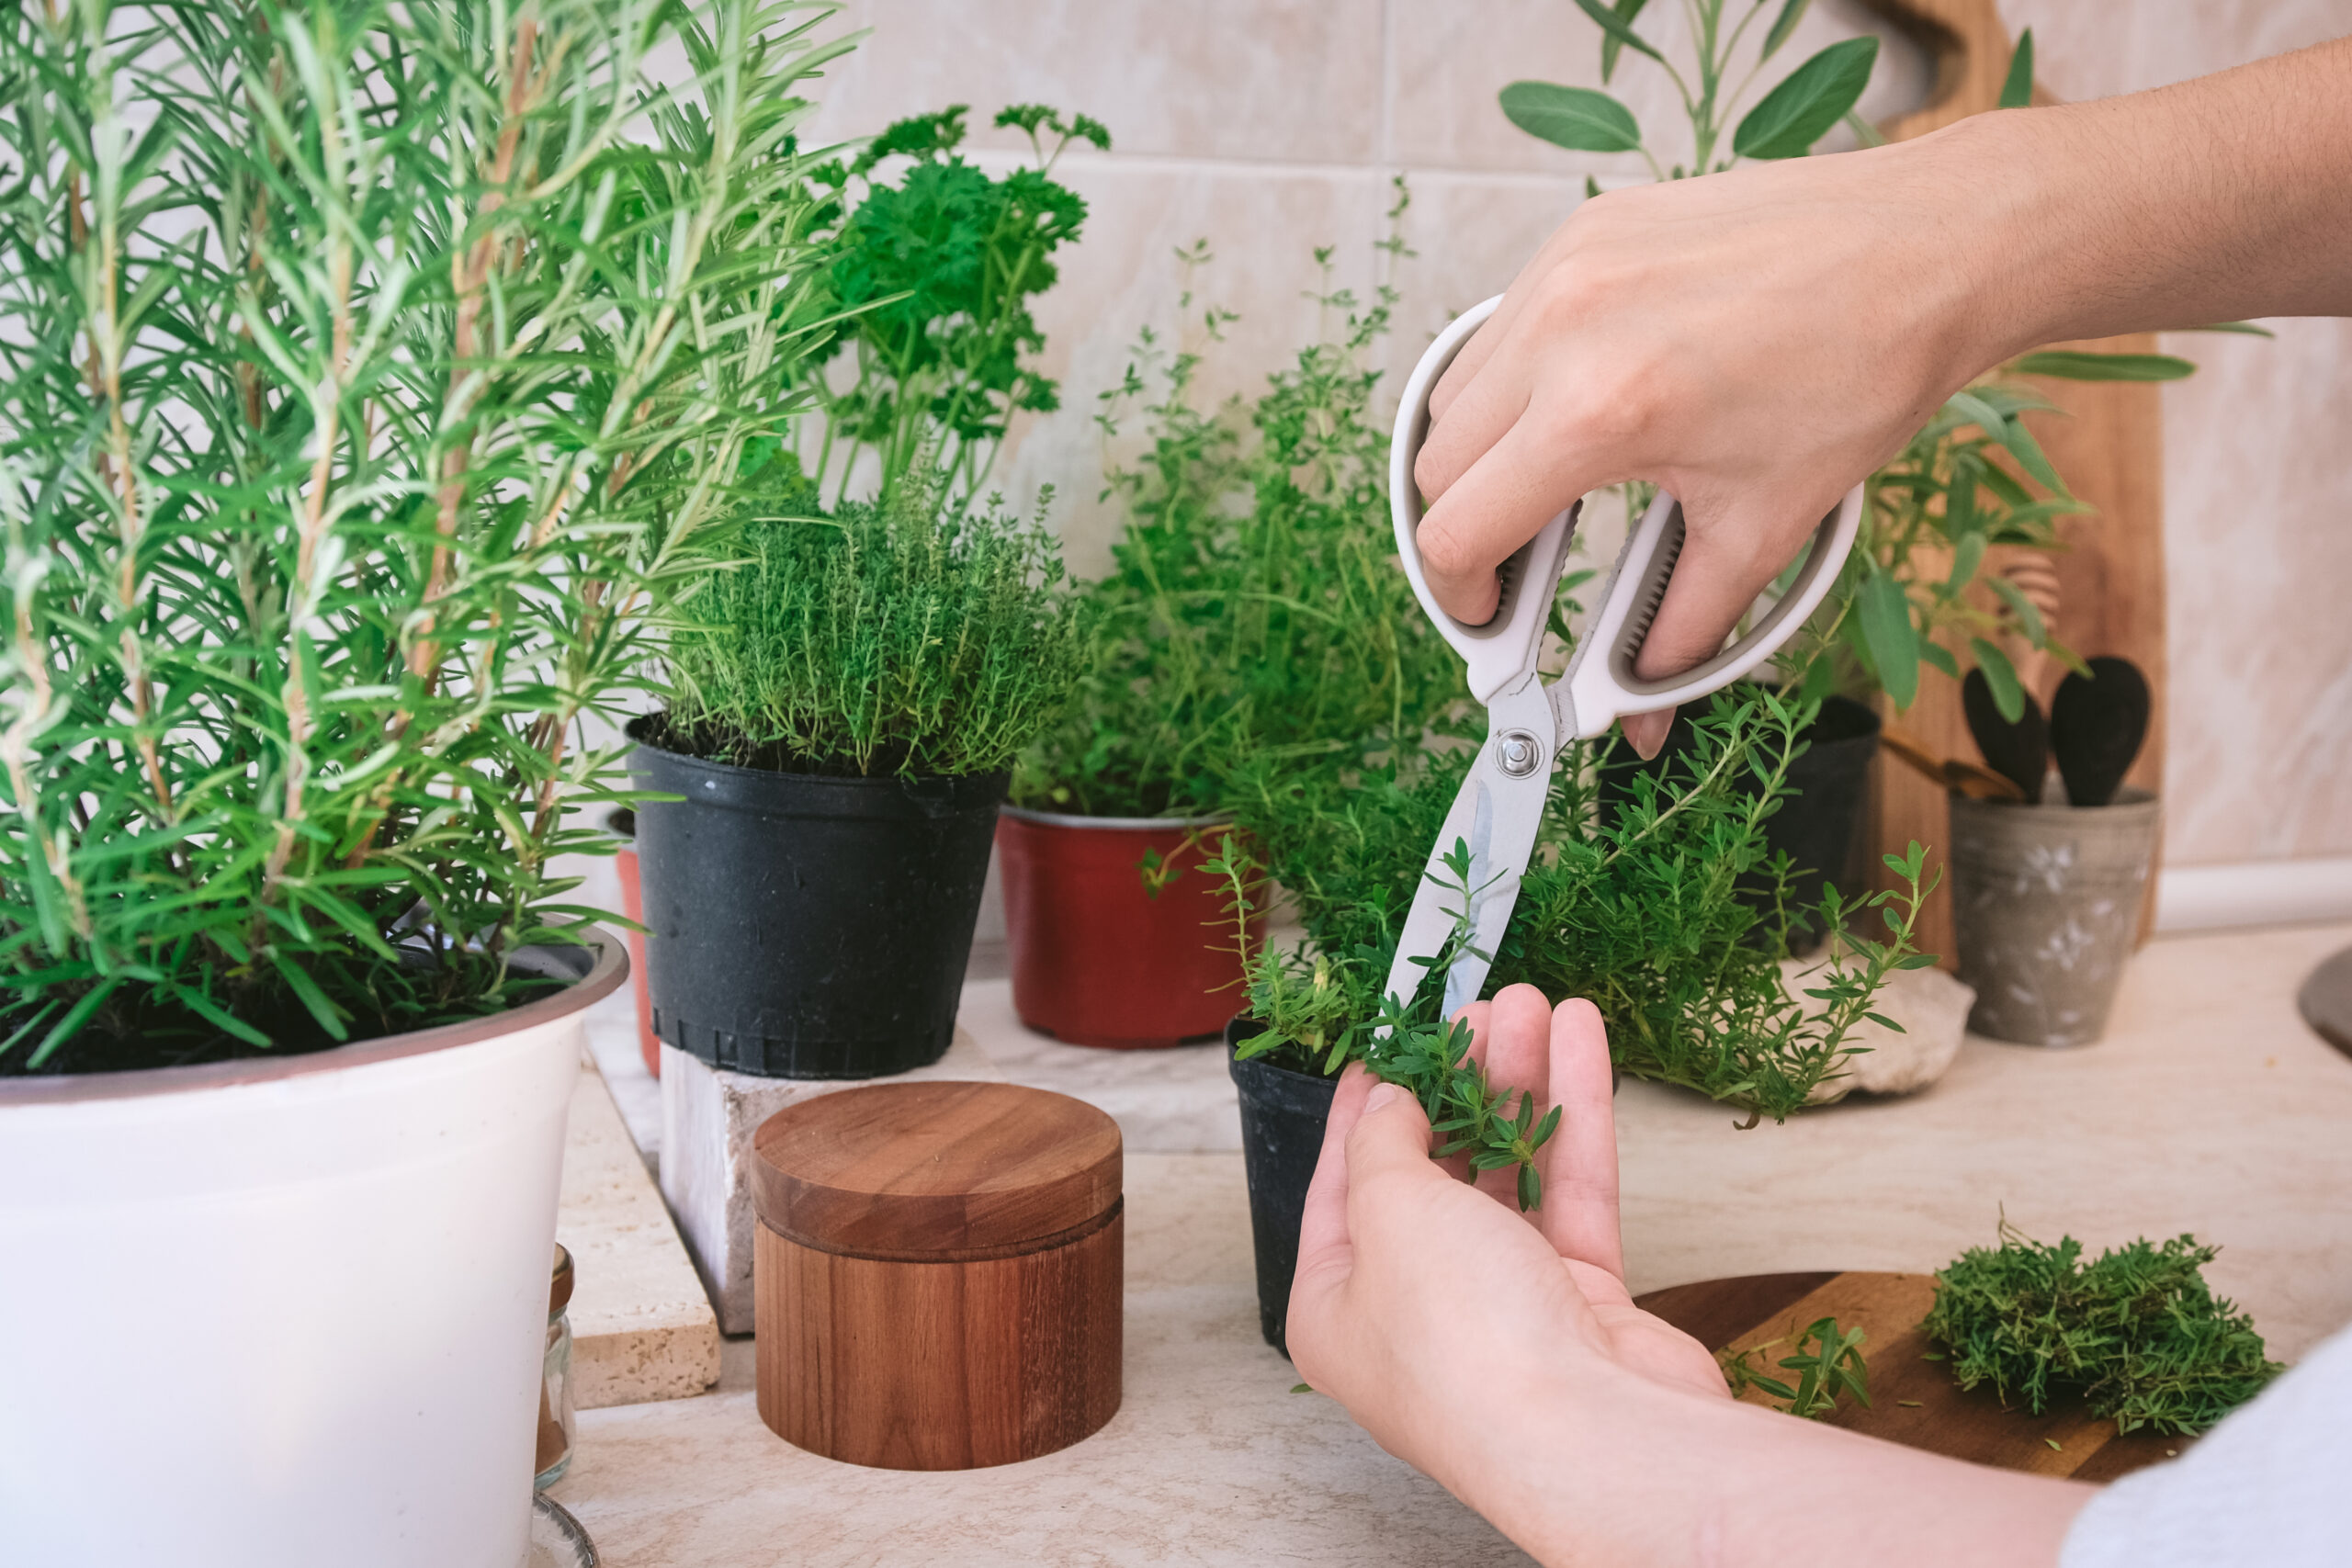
(286, 1313)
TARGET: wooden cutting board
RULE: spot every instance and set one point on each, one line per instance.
(1913, 1401)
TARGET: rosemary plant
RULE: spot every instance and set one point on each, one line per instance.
(363, 367)
(1254, 609)
(1641, 911)
(2136, 1333)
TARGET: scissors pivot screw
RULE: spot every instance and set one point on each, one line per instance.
(1517, 752)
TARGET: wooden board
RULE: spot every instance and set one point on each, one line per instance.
(2109, 445)
(1913, 1401)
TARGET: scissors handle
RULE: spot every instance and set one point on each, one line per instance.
(1600, 687)
(1503, 651)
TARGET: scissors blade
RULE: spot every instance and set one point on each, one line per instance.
(1495, 817)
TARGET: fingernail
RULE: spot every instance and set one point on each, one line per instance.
(1383, 1096)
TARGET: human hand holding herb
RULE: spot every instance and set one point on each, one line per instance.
(1503, 1353)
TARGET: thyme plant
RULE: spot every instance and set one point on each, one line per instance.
(2136, 1334)
(893, 637)
(1641, 911)
(1254, 609)
(362, 368)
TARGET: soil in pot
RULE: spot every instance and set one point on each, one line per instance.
(1099, 959)
(2045, 903)
(1283, 1114)
(808, 926)
(1816, 827)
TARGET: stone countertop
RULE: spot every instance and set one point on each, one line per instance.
(2208, 1108)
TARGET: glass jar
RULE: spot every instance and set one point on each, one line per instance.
(557, 1422)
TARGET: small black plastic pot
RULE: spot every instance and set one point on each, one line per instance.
(1816, 827)
(1283, 1114)
(805, 927)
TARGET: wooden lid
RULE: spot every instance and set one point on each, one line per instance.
(910, 1171)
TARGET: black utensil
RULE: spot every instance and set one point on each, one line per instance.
(2019, 752)
(2097, 728)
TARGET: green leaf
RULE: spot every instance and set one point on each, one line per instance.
(1617, 27)
(1967, 554)
(2028, 616)
(2248, 328)
(2019, 442)
(76, 1017)
(1578, 119)
(1809, 100)
(2008, 694)
(1611, 45)
(2083, 365)
(2017, 92)
(1895, 646)
(1792, 12)
(1940, 656)
(316, 1001)
(1867, 134)
(1972, 409)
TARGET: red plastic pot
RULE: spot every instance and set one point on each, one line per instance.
(1097, 960)
(649, 1044)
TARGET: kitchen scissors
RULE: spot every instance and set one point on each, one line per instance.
(1529, 724)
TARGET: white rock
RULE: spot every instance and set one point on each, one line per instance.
(1931, 1006)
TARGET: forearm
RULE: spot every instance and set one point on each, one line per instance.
(1625, 1473)
(2220, 198)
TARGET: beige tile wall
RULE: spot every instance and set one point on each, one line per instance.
(1270, 127)
(2257, 485)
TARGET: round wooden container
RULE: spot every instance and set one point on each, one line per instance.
(937, 1273)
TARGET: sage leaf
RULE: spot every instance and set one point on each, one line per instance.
(1611, 45)
(1579, 119)
(1886, 628)
(1809, 100)
(1792, 12)
(1618, 28)
(2017, 92)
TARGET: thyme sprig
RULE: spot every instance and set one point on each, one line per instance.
(1405, 1043)
(1833, 1366)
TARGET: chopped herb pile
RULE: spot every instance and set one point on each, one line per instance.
(2137, 1334)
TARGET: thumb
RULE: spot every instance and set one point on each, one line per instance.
(1389, 1143)
(1727, 559)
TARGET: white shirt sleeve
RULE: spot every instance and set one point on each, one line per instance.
(2266, 1486)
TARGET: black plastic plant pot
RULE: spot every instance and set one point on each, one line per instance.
(1283, 1114)
(1816, 827)
(805, 927)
